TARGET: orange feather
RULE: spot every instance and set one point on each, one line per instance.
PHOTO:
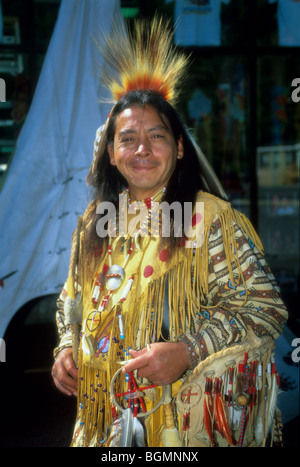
(142, 59)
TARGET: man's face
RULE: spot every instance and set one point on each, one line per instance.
(144, 150)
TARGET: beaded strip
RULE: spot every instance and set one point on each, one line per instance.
(244, 409)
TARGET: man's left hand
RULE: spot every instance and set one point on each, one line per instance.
(161, 363)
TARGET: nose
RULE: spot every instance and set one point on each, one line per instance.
(143, 149)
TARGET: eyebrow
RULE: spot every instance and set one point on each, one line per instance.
(127, 131)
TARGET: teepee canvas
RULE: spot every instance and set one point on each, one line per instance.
(45, 189)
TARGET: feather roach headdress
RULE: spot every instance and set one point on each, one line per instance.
(142, 59)
(145, 58)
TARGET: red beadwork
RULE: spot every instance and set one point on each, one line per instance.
(164, 255)
(148, 271)
(196, 219)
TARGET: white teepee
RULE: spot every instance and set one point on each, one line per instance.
(45, 189)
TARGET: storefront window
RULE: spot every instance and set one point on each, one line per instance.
(278, 160)
(242, 102)
(215, 108)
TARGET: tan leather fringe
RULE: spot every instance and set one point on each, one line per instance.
(186, 295)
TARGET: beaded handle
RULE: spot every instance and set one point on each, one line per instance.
(135, 389)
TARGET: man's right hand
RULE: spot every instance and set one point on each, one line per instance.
(65, 373)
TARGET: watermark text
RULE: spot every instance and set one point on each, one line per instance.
(296, 353)
(2, 350)
(295, 96)
(137, 219)
(2, 90)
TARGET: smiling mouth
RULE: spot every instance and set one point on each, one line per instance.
(142, 167)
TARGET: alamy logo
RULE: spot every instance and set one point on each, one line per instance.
(296, 92)
(296, 352)
(136, 219)
(2, 90)
(2, 350)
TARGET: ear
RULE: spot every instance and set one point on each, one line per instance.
(110, 150)
(180, 150)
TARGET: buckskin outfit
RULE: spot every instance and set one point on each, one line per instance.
(217, 296)
(222, 302)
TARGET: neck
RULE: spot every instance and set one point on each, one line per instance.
(146, 196)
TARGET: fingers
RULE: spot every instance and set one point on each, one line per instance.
(64, 373)
(139, 360)
(164, 363)
(71, 368)
(64, 388)
(146, 363)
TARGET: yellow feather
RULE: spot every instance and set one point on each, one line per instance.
(144, 58)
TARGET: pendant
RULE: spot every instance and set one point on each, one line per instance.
(114, 277)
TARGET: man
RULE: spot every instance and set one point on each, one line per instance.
(152, 309)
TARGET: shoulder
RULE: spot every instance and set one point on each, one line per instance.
(211, 200)
(211, 205)
(227, 219)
